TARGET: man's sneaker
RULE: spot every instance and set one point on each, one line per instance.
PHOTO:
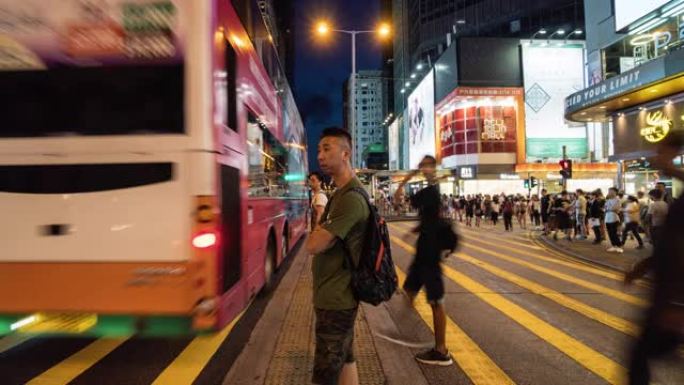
(611, 249)
(433, 357)
(619, 250)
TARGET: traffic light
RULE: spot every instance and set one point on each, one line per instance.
(526, 183)
(566, 168)
(534, 182)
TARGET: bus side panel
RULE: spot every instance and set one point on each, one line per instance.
(106, 288)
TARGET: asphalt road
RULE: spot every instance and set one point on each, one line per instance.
(521, 314)
(518, 314)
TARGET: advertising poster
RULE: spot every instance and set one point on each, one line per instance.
(393, 142)
(41, 34)
(421, 121)
(552, 73)
(629, 11)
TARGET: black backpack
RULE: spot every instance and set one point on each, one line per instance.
(374, 280)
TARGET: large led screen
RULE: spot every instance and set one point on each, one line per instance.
(421, 121)
(629, 11)
(552, 73)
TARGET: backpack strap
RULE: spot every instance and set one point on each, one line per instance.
(361, 191)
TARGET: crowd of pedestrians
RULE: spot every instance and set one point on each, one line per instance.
(614, 216)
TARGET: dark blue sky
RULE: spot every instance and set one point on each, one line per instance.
(322, 66)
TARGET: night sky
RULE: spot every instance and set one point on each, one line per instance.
(322, 66)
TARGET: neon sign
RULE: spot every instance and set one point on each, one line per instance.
(658, 127)
(494, 129)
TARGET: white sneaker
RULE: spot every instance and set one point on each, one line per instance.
(619, 250)
(611, 249)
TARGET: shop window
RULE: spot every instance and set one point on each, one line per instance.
(268, 161)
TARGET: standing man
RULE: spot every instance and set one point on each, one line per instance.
(613, 210)
(342, 230)
(318, 198)
(545, 203)
(581, 213)
(667, 198)
(435, 236)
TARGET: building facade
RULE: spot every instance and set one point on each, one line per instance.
(424, 29)
(636, 83)
(368, 132)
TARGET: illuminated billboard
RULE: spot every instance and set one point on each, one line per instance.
(629, 11)
(421, 121)
(552, 73)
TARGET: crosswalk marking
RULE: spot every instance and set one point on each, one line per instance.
(479, 368)
(570, 264)
(67, 370)
(12, 340)
(605, 318)
(596, 362)
(189, 364)
(565, 277)
(485, 235)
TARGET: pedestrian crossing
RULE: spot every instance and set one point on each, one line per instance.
(542, 292)
(480, 249)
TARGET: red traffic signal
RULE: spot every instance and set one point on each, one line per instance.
(566, 168)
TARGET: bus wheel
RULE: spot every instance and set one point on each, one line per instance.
(269, 264)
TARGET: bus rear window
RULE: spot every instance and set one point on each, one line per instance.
(103, 100)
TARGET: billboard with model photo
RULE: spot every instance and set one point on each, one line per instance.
(421, 121)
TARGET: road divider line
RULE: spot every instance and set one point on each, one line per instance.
(565, 277)
(189, 363)
(474, 233)
(475, 363)
(594, 361)
(593, 313)
(590, 312)
(565, 261)
(72, 367)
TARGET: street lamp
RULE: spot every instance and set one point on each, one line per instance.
(540, 32)
(383, 31)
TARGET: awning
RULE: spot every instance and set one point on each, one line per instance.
(652, 81)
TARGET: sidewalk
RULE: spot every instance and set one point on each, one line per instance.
(280, 350)
(597, 254)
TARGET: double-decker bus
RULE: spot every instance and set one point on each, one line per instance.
(152, 165)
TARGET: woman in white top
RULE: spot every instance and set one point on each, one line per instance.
(318, 198)
(612, 209)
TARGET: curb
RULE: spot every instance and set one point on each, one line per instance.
(550, 244)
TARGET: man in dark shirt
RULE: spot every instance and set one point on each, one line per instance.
(545, 202)
(663, 328)
(435, 236)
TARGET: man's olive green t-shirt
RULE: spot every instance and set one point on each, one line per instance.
(346, 219)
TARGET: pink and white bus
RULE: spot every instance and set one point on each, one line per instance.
(152, 165)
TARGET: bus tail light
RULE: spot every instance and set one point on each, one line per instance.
(204, 240)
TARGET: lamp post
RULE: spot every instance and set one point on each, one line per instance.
(383, 31)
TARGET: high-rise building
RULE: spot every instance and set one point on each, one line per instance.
(423, 29)
(368, 133)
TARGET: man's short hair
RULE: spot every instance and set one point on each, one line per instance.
(661, 184)
(656, 194)
(317, 174)
(337, 132)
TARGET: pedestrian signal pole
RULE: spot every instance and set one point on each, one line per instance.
(565, 179)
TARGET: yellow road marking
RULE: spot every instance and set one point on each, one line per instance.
(189, 364)
(474, 233)
(596, 362)
(568, 278)
(605, 318)
(479, 368)
(72, 367)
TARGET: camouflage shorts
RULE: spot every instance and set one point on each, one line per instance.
(334, 341)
